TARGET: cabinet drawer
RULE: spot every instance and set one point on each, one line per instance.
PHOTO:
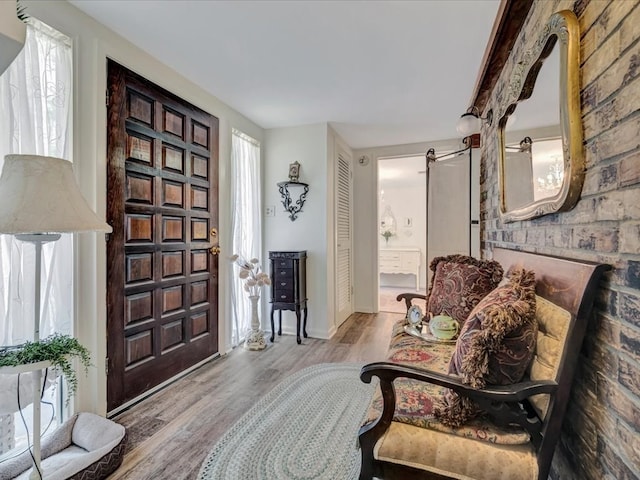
(283, 283)
(410, 263)
(283, 296)
(386, 264)
(389, 257)
(282, 273)
(282, 263)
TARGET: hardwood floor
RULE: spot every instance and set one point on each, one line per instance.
(171, 432)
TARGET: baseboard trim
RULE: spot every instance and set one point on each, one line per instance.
(311, 333)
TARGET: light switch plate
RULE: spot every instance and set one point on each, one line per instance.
(270, 211)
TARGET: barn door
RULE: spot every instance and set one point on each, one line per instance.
(449, 211)
(343, 235)
(162, 201)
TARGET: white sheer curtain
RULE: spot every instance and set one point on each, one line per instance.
(245, 223)
(35, 114)
(35, 118)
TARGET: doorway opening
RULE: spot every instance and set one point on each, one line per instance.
(402, 229)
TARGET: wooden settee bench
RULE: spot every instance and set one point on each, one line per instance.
(516, 436)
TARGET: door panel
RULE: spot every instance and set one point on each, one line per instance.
(344, 207)
(448, 204)
(162, 201)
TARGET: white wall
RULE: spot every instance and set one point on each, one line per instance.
(409, 202)
(92, 44)
(315, 148)
(309, 146)
(366, 237)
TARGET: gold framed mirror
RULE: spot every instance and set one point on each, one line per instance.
(541, 167)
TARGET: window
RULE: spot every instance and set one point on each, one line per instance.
(245, 223)
(35, 118)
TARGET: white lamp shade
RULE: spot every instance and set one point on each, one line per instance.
(40, 195)
(468, 124)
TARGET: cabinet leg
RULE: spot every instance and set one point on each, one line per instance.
(298, 325)
(304, 325)
(279, 323)
(273, 327)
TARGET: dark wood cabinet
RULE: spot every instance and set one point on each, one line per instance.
(289, 288)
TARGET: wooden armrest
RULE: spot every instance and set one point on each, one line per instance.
(408, 297)
(505, 405)
(516, 392)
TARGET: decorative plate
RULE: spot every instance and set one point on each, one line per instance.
(414, 315)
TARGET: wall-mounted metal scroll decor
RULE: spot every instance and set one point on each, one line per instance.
(288, 201)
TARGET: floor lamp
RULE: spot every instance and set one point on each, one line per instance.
(39, 200)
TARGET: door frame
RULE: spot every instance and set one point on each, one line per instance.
(424, 249)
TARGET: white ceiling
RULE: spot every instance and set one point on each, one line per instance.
(404, 172)
(381, 72)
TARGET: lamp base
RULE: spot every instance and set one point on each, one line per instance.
(38, 239)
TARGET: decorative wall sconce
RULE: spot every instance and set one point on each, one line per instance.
(290, 204)
(471, 121)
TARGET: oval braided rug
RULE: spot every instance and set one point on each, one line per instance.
(305, 428)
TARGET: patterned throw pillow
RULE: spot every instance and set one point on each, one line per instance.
(459, 283)
(496, 344)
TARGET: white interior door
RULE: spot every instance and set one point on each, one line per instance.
(344, 261)
(449, 216)
(475, 202)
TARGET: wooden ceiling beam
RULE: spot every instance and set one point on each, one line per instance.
(509, 20)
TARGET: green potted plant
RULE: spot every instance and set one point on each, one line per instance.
(387, 234)
(57, 349)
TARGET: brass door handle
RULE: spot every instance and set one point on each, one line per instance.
(215, 250)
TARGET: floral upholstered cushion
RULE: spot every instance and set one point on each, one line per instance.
(412, 351)
(415, 401)
(415, 405)
(459, 283)
(496, 344)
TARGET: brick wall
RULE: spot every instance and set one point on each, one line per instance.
(601, 432)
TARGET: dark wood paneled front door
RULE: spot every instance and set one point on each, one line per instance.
(162, 201)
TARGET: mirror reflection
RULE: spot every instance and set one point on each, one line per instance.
(387, 224)
(539, 127)
(534, 166)
(534, 169)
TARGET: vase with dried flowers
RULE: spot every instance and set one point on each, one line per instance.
(387, 235)
(254, 279)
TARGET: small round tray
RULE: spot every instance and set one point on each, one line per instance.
(427, 337)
